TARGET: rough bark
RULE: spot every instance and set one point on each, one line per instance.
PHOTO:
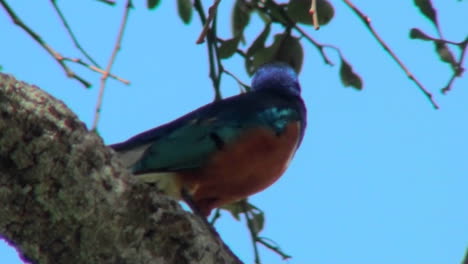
(64, 197)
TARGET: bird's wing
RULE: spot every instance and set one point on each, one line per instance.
(190, 141)
(186, 147)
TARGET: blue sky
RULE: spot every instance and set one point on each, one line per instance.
(381, 176)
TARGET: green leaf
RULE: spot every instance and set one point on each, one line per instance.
(348, 76)
(259, 42)
(240, 18)
(276, 12)
(291, 52)
(285, 48)
(258, 221)
(235, 209)
(264, 55)
(152, 4)
(228, 47)
(239, 207)
(446, 55)
(298, 11)
(184, 8)
(416, 33)
(425, 6)
(325, 12)
(259, 58)
(255, 216)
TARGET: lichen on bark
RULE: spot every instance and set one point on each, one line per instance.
(65, 197)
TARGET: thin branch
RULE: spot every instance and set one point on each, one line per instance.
(249, 216)
(216, 216)
(290, 23)
(367, 21)
(96, 69)
(439, 31)
(457, 71)
(320, 47)
(57, 56)
(313, 12)
(70, 32)
(445, 41)
(241, 53)
(275, 249)
(105, 75)
(215, 63)
(459, 67)
(219, 65)
(241, 83)
(206, 27)
(253, 235)
(436, 24)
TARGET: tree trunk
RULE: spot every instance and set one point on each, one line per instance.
(65, 197)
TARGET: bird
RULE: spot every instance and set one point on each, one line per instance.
(226, 150)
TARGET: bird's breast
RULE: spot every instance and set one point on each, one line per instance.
(248, 165)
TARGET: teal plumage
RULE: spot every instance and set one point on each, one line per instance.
(188, 146)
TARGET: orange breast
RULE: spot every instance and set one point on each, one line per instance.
(254, 162)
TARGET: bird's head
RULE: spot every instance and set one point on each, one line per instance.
(276, 76)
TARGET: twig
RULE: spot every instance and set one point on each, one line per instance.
(249, 215)
(366, 20)
(206, 27)
(216, 67)
(241, 53)
(253, 236)
(241, 83)
(459, 66)
(70, 32)
(320, 47)
(444, 41)
(275, 249)
(105, 75)
(214, 46)
(57, 56)
(436, 22)
(96, 69)
(313, 12)
(216, 216)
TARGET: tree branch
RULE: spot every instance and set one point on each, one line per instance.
(459, 67)
(66, 198)
(59, 58)
(367, 21)
(96, 69)
(313, 12)
(216, 67)
(206, 27)
(71, 34)
(290, 23)
(106, 73)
